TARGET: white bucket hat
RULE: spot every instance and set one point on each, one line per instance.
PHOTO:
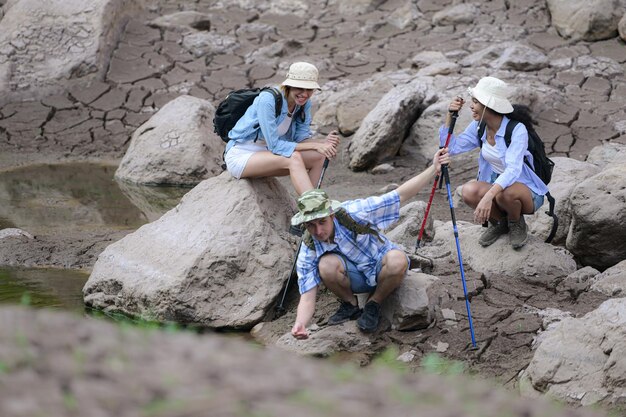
(302, 75)
(492, 93)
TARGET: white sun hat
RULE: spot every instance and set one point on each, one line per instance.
(493, 93)
(302, 75)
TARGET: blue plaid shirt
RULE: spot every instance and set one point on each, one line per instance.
(364, 250)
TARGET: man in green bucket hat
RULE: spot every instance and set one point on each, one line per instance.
(344, 249)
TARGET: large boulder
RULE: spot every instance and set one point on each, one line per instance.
(219, 258)
(590, 20)
(176, 146)
(598, 207)
(341, 104)
(537, 262)
(581, 360)
(46, 46)
(384, 129)
(568, 173)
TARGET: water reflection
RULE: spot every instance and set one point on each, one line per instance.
(70, 198)
(56, 288)
(153, 202)
(44, 198)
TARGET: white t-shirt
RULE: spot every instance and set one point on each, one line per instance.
(284, 126)
(491, 155)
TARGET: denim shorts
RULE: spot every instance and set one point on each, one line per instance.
(358, 280)
(537, 199)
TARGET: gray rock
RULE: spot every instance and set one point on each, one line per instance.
(508, 55)
(607, 155)
(355, 7)
(611, 282)
(458, 14)
(384, 129)
(537, 262)
(568, 173)
(382, 169)
(590, 20)
(600, 66)
(581, 360)
(577, 282)
(327, 340)
(598, 207)
(412, 305)
(176, 146)
(621, 27)
(49, 46)
(346, 108)
(229, 239)
(520, 57)
(426, 58)
(14, 232)
(186, 21)
(405, 15)
(406, 230)
(208, 43)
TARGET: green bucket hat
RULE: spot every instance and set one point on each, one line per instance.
(314, 204)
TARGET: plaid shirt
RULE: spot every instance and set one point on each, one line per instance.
(363, 250)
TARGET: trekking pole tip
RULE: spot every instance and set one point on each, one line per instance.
(280, 310)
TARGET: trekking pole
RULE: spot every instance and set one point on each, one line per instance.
(280, 308)
(446, 176)
(454, 115)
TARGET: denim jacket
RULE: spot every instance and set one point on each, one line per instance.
(515, 170)
(260, 119)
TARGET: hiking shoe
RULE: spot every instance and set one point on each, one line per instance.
(493, 232)
(518, 232)
(368, 322)
(346, 312)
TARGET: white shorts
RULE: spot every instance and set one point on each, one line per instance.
(237, 157)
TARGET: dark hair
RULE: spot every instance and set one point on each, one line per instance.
(521, 113)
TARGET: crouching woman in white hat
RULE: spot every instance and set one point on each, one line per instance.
(263, 145)
(506, 187)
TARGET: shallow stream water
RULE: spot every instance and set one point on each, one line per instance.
(70, 198)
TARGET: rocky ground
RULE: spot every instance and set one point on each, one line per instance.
(228, 45)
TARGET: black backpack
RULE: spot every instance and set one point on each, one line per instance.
(233, 107)
(542, 165)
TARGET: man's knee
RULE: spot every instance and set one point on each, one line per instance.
(330, 267)
(396, 263)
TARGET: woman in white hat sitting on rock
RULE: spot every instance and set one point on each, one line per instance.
(263, 145)
(506, 187)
